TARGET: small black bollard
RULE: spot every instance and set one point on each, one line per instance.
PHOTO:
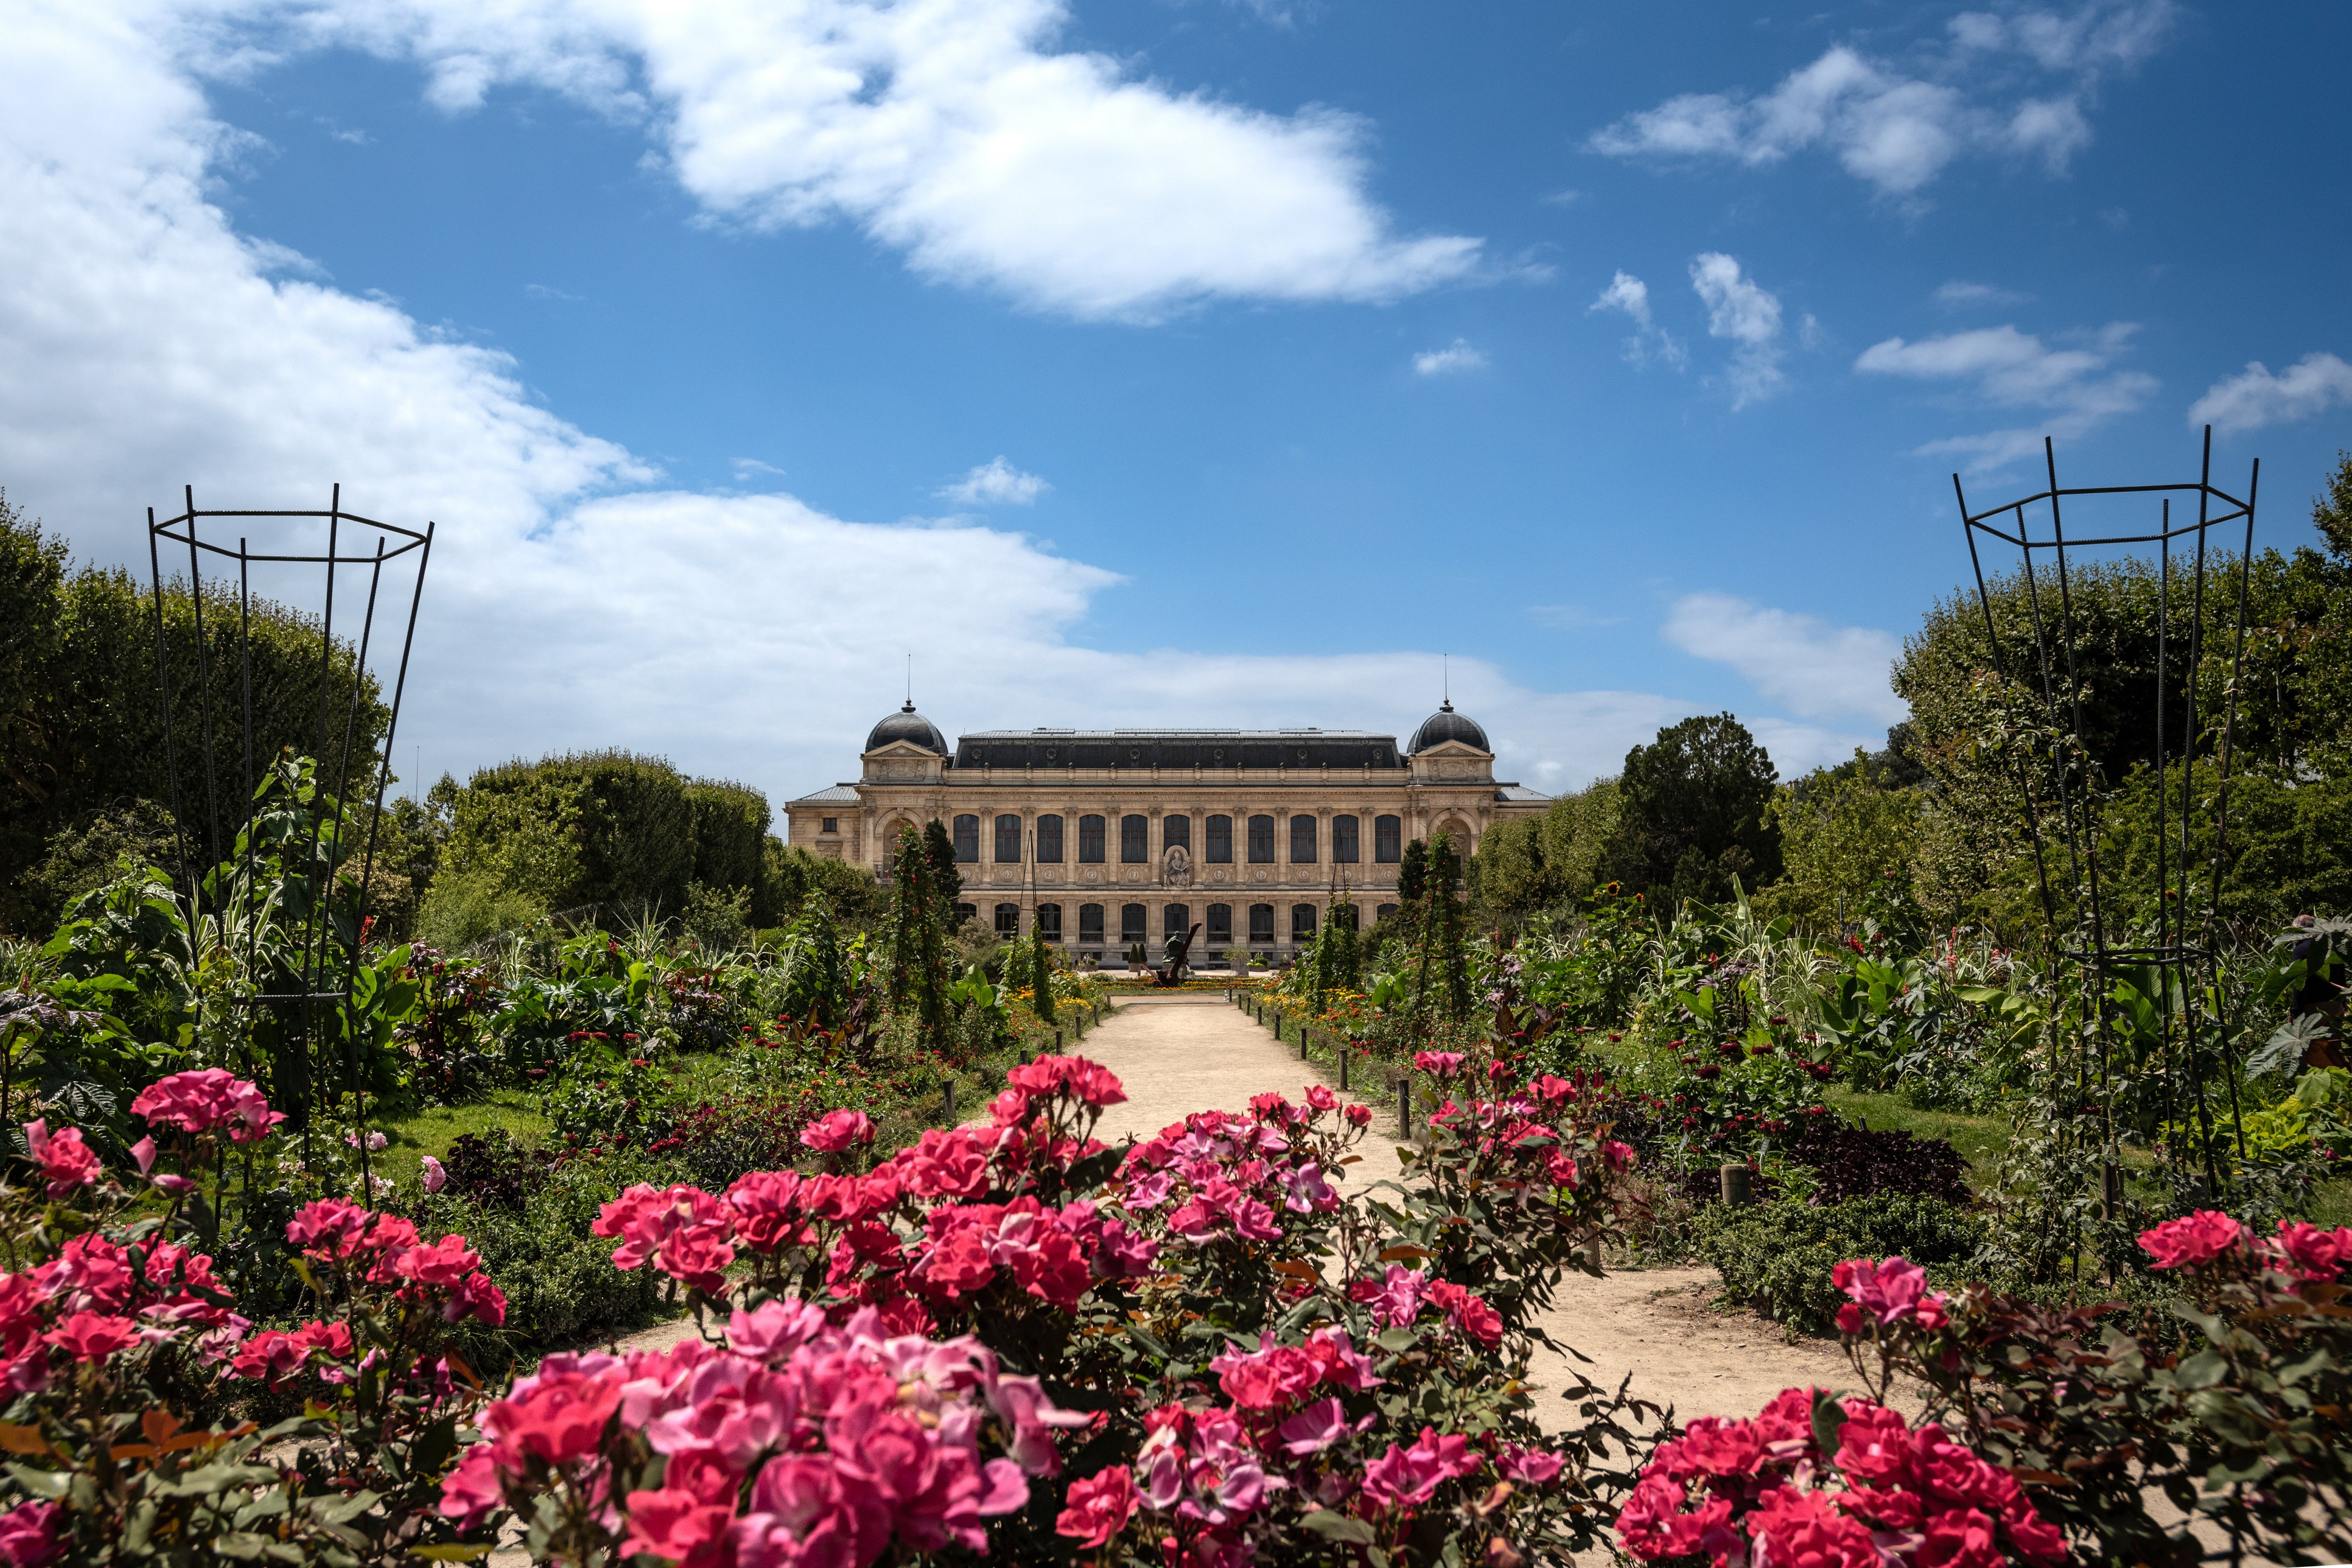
(1736, 1190)
(947, 1102)
(1404, 1105)
(1057, 1042)
(1344, 1054)
(1302, 1042)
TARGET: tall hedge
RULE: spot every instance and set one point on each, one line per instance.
(730, 835)
(81, 727)
(609, 830)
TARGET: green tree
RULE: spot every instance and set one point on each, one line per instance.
(1846, 846)
(1040, 972)
(81, 717)
(917, 948)
(1441, 979)
(939, 850)
(1509, 877)
(1577, 830)
(1692, 814)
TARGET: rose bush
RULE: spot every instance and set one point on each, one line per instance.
(1190, 1351)
(124, 1362)
(2235, 1412)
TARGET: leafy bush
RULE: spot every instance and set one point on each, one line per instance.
(1856, 1162)
(562, 1287)
(1777, 1256)
(495, 1172)
(462, 909)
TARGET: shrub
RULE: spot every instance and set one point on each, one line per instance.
(496, 1173)
(562, 1287)
(1856, 1162)
(1778, 1258)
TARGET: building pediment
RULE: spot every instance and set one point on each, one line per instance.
(902, 762)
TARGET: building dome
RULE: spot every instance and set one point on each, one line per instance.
(1446, 725)
(907, 724)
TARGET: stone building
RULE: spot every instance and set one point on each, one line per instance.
(1106, 838)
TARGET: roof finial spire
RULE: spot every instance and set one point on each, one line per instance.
(1446, 664)
(910, 707)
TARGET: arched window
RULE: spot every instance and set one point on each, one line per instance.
(1008, 839)
(1175, 919)
(1262, 924)
(1008, 921)
(1090, 925)
(1385, 912)
(1175, 833)
(1302, 923)
(1049, 921)
(1134, 839)
(1343, 840)
(1090, 841)
(1388, 839)
(1302, 840)
(1220, 841)
(1220, 926)
(888, 845)
(1345, 916)
(1261, 840)
(1049, 840)
(1132, 919)
(967, 838)
(965, 912)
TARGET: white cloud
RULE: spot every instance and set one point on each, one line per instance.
(2005, 368)
(1812, 667)
(1631, 295)
(748, 467)
(571, 603)
(1897, 131)
(2254, 397)
(996, 483)
(1959, 295)
(1745, 314)
(1452, 360)
(952, 130)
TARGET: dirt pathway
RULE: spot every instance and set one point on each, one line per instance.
(1656, 1324)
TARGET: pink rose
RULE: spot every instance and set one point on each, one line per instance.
(839, 1131)
(28, 1535)
(2194, 1241)
(1100, 1507)
(63, 1157)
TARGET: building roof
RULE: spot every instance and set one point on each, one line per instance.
(907, 725)
(1446, 725)
(1302, 748)
(1519, 792)
(838, 795)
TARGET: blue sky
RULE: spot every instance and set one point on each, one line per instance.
(1187, 364)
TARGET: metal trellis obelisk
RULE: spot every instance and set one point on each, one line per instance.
(2173, 951)
(306, 985)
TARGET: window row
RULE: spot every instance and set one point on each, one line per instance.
(1176, 833)
(1175, 920)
